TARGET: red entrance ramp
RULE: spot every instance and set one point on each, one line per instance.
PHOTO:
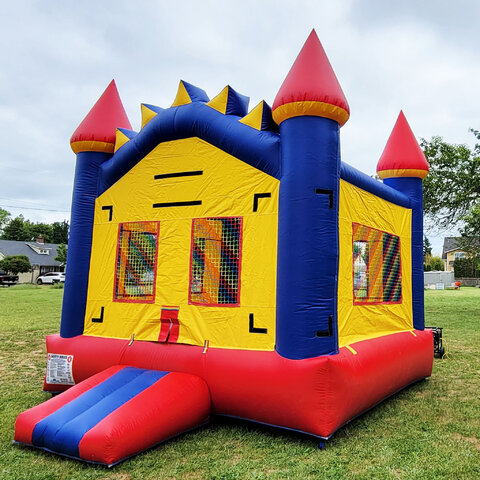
(115, 414)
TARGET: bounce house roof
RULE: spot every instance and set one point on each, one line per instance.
(311, 87)
(402, 156)
(97, 131)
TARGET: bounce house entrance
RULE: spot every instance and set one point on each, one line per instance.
(115, 414)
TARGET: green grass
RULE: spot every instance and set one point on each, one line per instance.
(428, 431)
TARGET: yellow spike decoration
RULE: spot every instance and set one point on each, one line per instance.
(182, 97)
(219, 102)
(254, 118)
(120, 139)
(147, 114)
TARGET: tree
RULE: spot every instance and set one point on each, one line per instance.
(26, 231)
(35, 230)
(436, 263)
(15, 264)
(469, 241)
(4, 219)
(427, 249)
(15, 229)
(61, 254)
(466, 267)
(60, 232)
(452, 187)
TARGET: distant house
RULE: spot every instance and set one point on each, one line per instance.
(41, 255)
(451, 252)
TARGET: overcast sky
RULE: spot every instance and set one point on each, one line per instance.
(58, 56)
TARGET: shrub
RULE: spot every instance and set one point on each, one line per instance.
(15, 264)
(466, 267)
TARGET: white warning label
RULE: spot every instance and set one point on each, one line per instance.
(59, 369)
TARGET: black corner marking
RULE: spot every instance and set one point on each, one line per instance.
(99, 319)
(323, 191)
(257, 196)
(110, 211)
(193, 173)
(253, 329)
(326, 333)
(177, 204)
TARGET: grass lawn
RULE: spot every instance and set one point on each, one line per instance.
(428, 431)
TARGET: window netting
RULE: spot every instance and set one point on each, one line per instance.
(136, 261)
(215, 261)
(376, 266)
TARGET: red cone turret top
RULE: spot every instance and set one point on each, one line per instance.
(402, 156)
(311, 87)
(97, 132)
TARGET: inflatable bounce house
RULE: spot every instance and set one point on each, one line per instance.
(226, 262)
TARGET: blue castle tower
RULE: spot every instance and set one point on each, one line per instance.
(94, 143)
(310, 107)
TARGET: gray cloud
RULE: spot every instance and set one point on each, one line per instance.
(58, 57)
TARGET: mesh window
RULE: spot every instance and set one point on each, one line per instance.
(136, 262)
(215, 261)
(376, 266)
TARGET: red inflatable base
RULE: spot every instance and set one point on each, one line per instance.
(315, 396)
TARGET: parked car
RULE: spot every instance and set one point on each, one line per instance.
(51, 277)
(8, 280)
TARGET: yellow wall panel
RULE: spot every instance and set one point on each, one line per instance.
(226, 189)
(359, 322)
